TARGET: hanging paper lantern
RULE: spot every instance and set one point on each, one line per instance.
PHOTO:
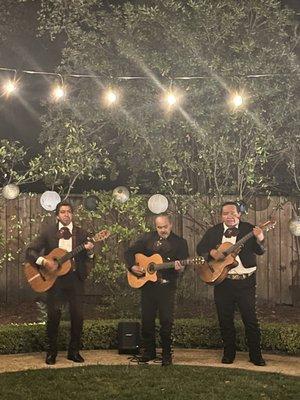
(121, 193)
(10, 191)
(158, 203)
(49, 200)
(91, 202)
(294, 226)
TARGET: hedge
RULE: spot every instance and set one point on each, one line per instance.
(188, 333)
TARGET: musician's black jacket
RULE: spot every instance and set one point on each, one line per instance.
(47, 241)
(213, 237)
(171, 249)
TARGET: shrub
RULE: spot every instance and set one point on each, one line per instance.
(188, 333)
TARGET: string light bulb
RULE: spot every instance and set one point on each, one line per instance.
(58, 93)
(237, 100)
(10, 87)
(111, 97)
(171, 99)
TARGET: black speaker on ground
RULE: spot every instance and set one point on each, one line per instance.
(128, 337)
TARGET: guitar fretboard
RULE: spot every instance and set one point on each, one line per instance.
(72, 253)
(171, 264)
(238, 244)
(266, 226)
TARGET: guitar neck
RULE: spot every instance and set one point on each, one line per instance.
(73, 253)
(265, 227)
(238, 244)
(171, 264)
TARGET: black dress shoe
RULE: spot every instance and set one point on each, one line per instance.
(76, 357)
(227, 360)
(166, 360)
(50, 359)
(258, 361)
(143, 358)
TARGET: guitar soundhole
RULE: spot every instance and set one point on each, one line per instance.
(151, 268)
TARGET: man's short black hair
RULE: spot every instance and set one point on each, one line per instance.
(61, 204)
(231, 203)
(164, 214)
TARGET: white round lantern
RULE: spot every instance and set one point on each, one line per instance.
(158, 203)
(121, 194)
(10, 191)
(49, 200)
(294, 226)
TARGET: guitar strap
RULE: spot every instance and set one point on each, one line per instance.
(56, 236)
(74, 244)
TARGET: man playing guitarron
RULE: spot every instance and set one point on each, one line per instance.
(240, 285)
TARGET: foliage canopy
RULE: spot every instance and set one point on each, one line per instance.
(204, 145)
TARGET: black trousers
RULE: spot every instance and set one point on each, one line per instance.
(157, 297)
(241, 293)
(67, 289)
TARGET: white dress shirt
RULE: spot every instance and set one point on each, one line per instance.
(65, 244)
(240, 269)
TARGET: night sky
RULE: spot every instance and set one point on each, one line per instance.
(23, 50)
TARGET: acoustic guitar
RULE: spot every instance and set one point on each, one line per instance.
(215, 271)
(41, 279)
(150, 266)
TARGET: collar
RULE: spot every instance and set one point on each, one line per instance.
(70, 226)
(225, 227)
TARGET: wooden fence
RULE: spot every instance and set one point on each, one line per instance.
(278, 269)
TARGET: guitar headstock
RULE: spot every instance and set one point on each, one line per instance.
(102, 235)
(268, 225)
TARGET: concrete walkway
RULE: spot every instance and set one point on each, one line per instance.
(198, 357)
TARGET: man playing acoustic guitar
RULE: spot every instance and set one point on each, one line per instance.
(160, 295)
(240, 285)
(66, 288)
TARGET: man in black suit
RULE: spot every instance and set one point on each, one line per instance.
(240, 285)
(67, 288)
(158, 296)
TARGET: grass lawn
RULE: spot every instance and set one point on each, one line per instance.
(146, 382)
